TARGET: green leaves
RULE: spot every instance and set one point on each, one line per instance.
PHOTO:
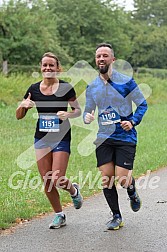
(27, 32)
(152, 12)
(82, 25)
(72, 29)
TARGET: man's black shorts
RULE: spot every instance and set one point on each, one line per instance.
(121, 153)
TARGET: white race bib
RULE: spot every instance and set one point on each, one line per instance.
(109, 116)
(49, 123)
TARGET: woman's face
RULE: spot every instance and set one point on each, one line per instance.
(49, 67)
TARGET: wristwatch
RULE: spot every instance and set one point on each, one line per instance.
(132, 122)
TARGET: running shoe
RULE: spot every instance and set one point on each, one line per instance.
(78, 199)
(58, 222)
(135, 202)
(115, 223)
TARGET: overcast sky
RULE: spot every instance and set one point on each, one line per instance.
(127, 3)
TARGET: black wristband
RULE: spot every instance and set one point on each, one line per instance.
(132, 122)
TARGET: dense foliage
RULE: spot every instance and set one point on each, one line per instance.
(72, 29)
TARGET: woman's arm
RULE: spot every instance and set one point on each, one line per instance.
(76, 110)
(23, 107)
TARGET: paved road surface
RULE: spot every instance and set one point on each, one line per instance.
(144, 231)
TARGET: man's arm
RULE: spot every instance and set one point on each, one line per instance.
(88, 115)
(141, 104)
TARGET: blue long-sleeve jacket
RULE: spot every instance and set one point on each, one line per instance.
(114, 101)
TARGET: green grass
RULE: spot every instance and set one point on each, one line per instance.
(17, 136)
(152, 140)
(14, 86)
(158, 87)
(158, 73)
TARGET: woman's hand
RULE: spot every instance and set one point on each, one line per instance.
(24, 106)
(63, 115)
(27, 103)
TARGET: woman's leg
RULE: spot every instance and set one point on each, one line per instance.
(59, 167)
(44, 161)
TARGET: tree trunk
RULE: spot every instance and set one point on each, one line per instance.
(5, 67)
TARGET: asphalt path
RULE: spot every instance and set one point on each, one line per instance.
(144, 231)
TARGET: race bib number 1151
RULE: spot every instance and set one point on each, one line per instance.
(49, 123)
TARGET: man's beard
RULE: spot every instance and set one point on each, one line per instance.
(103, 70)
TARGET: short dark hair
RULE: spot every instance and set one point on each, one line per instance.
(104, 45)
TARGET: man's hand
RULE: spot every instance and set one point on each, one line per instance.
(126, 125)
(89, 117)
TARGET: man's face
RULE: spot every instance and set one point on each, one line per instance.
(104, 58)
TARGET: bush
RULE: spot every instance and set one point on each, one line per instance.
(154, 72)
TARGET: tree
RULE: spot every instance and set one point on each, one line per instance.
(149, 33)
(27, 31)
(149, 46)
(84, 24)
(151, 11)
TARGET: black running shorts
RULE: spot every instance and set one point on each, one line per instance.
(121, 153)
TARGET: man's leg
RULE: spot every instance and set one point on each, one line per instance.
(111, 195)
(109, 189)
(127, 181)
